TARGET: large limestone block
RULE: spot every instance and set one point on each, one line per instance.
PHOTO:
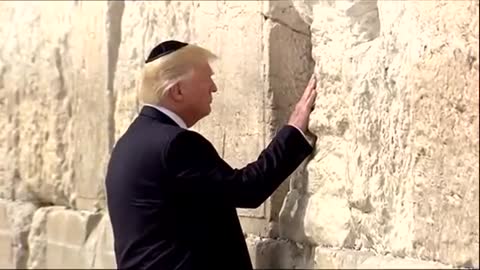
(92, 104)
(105, 252)
(7, 137)
(396, 160)
(257, 42)
(446, 149)
(63, 238)
(54, 86)
(15, 221)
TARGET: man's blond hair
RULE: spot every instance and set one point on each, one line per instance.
(161, 74)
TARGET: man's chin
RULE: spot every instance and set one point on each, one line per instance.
(206, 113)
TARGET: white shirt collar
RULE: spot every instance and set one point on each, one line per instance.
(170, 114)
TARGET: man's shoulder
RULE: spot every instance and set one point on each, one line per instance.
(156, 134)
(171, 133)
(190, 138)
(145, 135)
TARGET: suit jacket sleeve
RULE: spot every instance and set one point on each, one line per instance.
(198, 170)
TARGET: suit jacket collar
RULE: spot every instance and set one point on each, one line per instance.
(152, 112)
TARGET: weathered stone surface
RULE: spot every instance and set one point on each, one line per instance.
(326, 258)
(7, 137)
(6, 238)
(291, 219)
(36, 103)
(56, 102)
(396, 162)
(287, 44)
(105, 256)
(92, 129)
(20, 216)
(63, 238)
(15, 221)
(266, 253)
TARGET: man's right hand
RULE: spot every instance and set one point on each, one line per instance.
(301, 114)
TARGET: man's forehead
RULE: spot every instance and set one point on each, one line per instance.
(205, 68)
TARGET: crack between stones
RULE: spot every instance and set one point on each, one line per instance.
(93, 226)
(275, 20)
(115, 11)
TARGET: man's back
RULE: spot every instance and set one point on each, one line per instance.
(156, 226)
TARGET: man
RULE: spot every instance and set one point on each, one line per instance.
(171, 199)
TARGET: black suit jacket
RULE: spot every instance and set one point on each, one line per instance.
(172, 200)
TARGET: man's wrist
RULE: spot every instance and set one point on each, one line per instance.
(303, 134)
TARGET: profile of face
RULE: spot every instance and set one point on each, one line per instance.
(194, 94)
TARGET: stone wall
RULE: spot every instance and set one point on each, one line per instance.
(396, 164)
(394, 179)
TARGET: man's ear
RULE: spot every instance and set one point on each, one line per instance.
(175, 92)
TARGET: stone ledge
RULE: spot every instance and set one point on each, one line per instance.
(328, 258)
(267, 253)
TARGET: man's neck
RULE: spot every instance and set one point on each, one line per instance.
(170, 113)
